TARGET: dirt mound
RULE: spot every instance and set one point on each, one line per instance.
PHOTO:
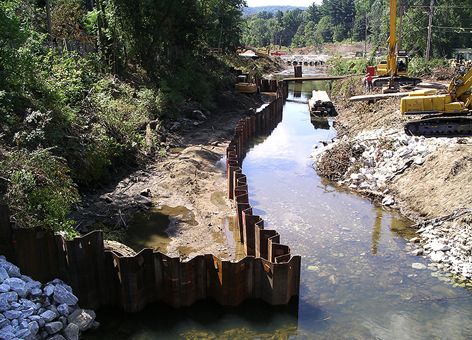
(359, 116)
(189, 175)
(436, 186)
(443, 184)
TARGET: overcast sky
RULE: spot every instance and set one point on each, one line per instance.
(305, 3)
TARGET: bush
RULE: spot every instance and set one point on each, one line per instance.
(419, 67)
(342, 67)
(40, 191)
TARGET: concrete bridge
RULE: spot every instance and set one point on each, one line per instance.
(313, 60)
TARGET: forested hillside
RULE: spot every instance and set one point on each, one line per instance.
(356, 20)
(80, 80)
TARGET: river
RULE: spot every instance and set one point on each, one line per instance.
(357, 277)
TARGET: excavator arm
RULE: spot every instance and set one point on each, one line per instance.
(461, 84)
(394, 71)
(392, 40)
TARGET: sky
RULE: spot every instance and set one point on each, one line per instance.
(304, 3)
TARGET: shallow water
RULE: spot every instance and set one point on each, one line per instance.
(151, 229)
(357, 279)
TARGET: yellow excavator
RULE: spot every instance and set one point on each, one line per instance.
(445, 114)
(393, 72)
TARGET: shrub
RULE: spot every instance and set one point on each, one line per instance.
(419, 67)
(341, 67)
(40, 191)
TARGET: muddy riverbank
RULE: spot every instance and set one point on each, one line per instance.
(427, 179)
(181, 194)
(359, 278)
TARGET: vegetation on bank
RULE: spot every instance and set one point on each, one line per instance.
(80, 81)
(360, 20)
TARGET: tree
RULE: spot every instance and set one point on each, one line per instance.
(324, 30)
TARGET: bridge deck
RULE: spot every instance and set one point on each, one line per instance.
(314, 78)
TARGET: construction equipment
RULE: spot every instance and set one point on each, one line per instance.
(448, 114)
(393, 72)
(320, 105)
(243, 84)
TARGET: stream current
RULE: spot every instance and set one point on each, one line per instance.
(357, 278)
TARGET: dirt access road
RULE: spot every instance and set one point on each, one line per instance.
(189, 184)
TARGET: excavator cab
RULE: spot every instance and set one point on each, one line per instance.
(402, 63)
(245, 85)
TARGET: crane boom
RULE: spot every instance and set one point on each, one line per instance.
(392, 40)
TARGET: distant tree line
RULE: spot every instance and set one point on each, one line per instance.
(358, 20)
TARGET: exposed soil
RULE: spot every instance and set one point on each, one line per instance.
(439, 186)
(443, 184)
(191, 175)
(428, 179)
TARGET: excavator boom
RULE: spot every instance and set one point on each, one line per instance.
(392, 40)
(394, 71)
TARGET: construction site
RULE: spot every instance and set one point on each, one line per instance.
(261, 188)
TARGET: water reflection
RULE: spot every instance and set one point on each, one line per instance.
(204, 320)
(297, 89)
(355, 265)
(376, 231)
(320, 123)
(357, 278)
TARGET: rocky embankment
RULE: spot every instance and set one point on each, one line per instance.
(447, 242)
(31, 310)
(370, 161)
(427, 179)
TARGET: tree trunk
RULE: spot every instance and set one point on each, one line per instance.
(48, 19)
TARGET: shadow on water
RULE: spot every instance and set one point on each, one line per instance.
(204, 320)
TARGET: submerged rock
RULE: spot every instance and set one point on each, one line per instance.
(418, 265)
(83, 318)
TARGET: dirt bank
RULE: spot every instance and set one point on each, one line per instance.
(428, 179)
(189, 177)
(437, 168)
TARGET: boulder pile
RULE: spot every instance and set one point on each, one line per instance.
(447, 242)
(31, 310)
(380, 156)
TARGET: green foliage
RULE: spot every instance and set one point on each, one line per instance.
(348, 87)
(40, 192)
(79, 87)
(122, 111)
(340, 20)
(339, 66)
(419, 67)
(69, 76)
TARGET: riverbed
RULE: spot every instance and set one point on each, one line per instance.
(357, 276)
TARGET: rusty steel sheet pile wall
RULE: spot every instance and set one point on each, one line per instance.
(101, 277)
(258, 242)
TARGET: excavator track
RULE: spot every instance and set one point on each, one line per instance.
(397, 80)
(440, 126)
